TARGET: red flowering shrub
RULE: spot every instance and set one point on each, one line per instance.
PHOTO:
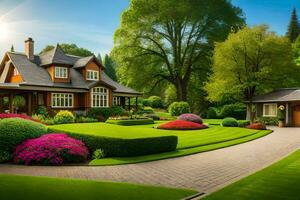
(191, 118)
(51, 149)
(181, 125)
(257, 126)
(22, 116)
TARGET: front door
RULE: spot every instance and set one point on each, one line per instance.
(296, 116)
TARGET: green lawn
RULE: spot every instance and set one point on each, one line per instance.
(189, 142)
(16, 187)
(279, 181)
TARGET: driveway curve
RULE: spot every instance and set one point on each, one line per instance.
(205, 172)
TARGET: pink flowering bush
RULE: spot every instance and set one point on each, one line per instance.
(51, 149)
(191, 118)
(12, 115)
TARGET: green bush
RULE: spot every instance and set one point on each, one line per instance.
(178, 108)
(244, 123)
(83, 119)
(272, 121)
(156, 102)
(64, 117)
(98, 154)
(5, 156)
(13, 131)
(152, 116)
(119, 147)
(42, 110)
(130, 122)
(102, 114)
(230, 122)
(148, 109)
(212, 113)
(146, 102)
(237, 111)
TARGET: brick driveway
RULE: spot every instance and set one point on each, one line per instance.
(205, 172)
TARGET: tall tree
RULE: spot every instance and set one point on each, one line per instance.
(110, 67)
(294, 27)
(72, 49)
(165, 40)
(250, 62)
(99, 58)
(12, 49)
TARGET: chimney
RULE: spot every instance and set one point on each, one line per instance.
(29, 48)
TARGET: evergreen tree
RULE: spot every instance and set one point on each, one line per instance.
(12, 49)
(99, 58)
(294, 27)
(110, 67)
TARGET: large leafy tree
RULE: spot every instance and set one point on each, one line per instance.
(72, 49)
(163, 41)
(294, 27)
(110, 67)
(250, 62)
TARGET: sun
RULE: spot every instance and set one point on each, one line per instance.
(3, 31)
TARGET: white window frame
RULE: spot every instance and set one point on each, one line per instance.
(60, 72)
(116, 100)
(62, 100)
(92, 75)
(16, 72)
(100, 97)
(269, 104)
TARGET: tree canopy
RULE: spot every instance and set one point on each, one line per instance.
(110, 67)
(250, 62)
(294, 27)
(167, 41)
(72, 49)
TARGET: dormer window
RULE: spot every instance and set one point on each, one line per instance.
(61, 72)
(16, 72)
(92, 75)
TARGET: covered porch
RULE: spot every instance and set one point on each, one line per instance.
(126, 101)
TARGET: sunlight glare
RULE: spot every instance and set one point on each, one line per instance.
(3, 31)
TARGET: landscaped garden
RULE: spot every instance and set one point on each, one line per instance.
(279, 181)
(36, 188)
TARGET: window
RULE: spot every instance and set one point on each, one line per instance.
(16, 72)
(92, 75)
(117, 101)
(270, 110)
(40, 99)
(99, 97)
(62, 100)
(61, 72)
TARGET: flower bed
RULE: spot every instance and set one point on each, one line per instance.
(181, 125)
(191, 118)
(51, 149)
(257, 126)
(22, 116)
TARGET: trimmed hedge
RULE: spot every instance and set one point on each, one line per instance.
(119, 147)
(102, 114)
(14, 131)
(244, 123)
(230, 122)
(130, 122)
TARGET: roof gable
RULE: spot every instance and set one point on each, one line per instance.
(55, 56)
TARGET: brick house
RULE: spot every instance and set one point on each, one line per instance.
(58, 81)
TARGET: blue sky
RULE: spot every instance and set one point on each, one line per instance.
(91, 23)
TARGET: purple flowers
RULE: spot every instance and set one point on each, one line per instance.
(51, 149)
(191, 118)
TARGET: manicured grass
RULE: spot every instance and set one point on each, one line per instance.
(213, 121)
(178, 153)
(35, 188)
(186, 139)
(279, 181)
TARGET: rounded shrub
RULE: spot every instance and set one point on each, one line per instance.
(178, 108)
(64, 117)
(191, 118)
(156, 102)
(51, 149)
(237, 110)
(212, 113)
(146, 102)
(230, 122)
(13, 131)
(181, 125)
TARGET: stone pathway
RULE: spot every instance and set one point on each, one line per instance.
(205, 172)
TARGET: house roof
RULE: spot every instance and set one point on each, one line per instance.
(279, 95)
(33, 74)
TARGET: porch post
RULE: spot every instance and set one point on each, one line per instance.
(287, 115)
(11, 97)
(1, 104)
(136, 103)
(29, 103)
(129, 103)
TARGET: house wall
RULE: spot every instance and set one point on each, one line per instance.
(51, 71)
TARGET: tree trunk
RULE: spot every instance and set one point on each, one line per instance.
(181, 89)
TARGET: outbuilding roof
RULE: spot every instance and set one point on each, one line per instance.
(279, 95)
